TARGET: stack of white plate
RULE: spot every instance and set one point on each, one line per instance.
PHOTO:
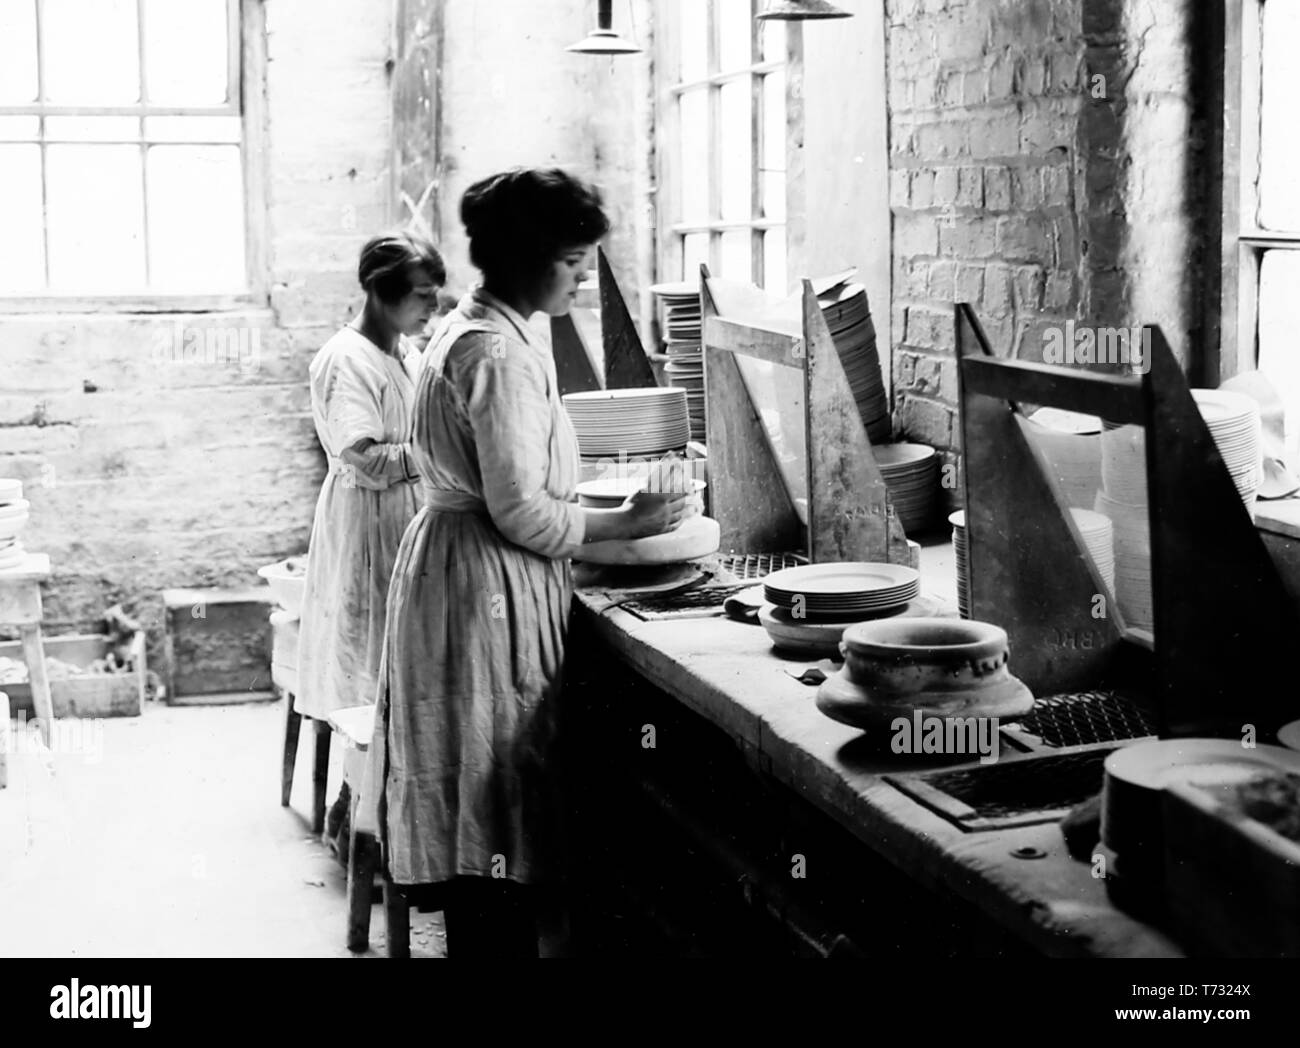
(1234, 420)
(1099, 539)
(958, 522)
(1071, 443)
(13, 518)
(839, 590)
(911, 473)
(614, 422)
(680, 323)
(1132, 543)
(849, 319)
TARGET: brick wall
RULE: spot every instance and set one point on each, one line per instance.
(1040, 170)
(146, 471)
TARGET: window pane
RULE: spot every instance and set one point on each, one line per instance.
(1279, 349)
(1279, 152)
(198, 129)
(17, 51)
(774, 274)
(694, 23)
(20, 128)
(91, 52)
(773, 39)
(96, 218)
(737, 146)
(737, 260)
(772, 180)
(196, 218)
(736, 28)
(92, 129)
(694, 166)
(695, 253)
(185, 49)
(22, 261)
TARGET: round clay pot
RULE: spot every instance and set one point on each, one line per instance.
(939, 666)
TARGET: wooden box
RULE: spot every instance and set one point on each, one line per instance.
(97, 695)
(1232, 883)
(218, 646)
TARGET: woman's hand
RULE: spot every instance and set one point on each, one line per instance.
(654, 514)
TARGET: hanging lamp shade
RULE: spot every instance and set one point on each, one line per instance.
(800, 10)
(603, 40)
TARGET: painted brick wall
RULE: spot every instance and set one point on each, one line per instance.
(146, 471)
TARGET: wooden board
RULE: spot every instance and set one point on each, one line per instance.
(574, 369)
(626, 364)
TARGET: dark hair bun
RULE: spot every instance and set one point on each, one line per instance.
(386, 259)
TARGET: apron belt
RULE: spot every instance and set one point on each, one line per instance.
(353, 477)
(453, 501)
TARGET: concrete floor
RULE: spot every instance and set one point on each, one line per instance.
(163, 836)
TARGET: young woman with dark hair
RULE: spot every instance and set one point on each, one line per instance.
(362, 392)
(478, 609)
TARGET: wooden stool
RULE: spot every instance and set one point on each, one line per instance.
(284, 676)
(20, 605)
(356, 725)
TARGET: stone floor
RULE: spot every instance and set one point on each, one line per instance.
(163, 836)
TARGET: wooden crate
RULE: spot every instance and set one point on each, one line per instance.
(1232, 883)
(98, 695)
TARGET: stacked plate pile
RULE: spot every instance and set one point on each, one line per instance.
(1098, 539)
(958, 522)
(1071, 442)
(615, 422)
(809, 607)
(1234, 420)
(849, 319)
(680, 324)
(911, 473)
(13, 518)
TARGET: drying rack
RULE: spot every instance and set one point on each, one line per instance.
(850, 514)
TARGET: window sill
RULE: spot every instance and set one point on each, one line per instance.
(130, 304)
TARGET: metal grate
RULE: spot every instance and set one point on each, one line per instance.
(1017, 792)
(1085, 718)
(758, 565)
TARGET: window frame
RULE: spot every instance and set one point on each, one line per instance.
(246, 67)
(1244, 243)
(671, 230)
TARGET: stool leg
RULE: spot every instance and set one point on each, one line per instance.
(363, 861)
(34, 654)
(397, 917)
(320, 775)
(292, 724)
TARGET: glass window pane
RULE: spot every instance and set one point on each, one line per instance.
(92, 129)
(198, 129)
(1279, 350)
(96, 218)
(772, 180)
(91, 52)
(196, 219)
(185, 50)
(737, 258)
(694, 45)
(694, 164)
(22, 261)
(774, 41)
(17, 51)
(1279, 152)
(20, 128)
(774, 273)
(736, 34)
(695, 253)
(737, 148)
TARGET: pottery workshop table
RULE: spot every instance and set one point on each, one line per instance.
(20, 605)
(726, 672)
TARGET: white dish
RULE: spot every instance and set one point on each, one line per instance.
(1197, 762)
(1289, 735)
(288, 582)
(695, 537)
(10, 491)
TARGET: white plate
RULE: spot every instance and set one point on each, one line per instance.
(10, 491)
(1289, 735)
(1209, 762)
(843, 583)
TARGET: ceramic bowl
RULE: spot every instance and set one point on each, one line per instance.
(288, 581)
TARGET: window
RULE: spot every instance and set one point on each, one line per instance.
(722, 141)
(122, 172)
(1262, 199)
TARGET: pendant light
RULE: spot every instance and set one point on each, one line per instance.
(800, 10)
(603, 40)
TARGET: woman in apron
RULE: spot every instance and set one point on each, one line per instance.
(362, 390)
(478, 609)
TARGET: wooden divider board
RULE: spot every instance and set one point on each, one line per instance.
(626, 364)
(1223, 621)
(850, 514)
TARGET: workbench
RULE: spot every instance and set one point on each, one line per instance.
(727, 673)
